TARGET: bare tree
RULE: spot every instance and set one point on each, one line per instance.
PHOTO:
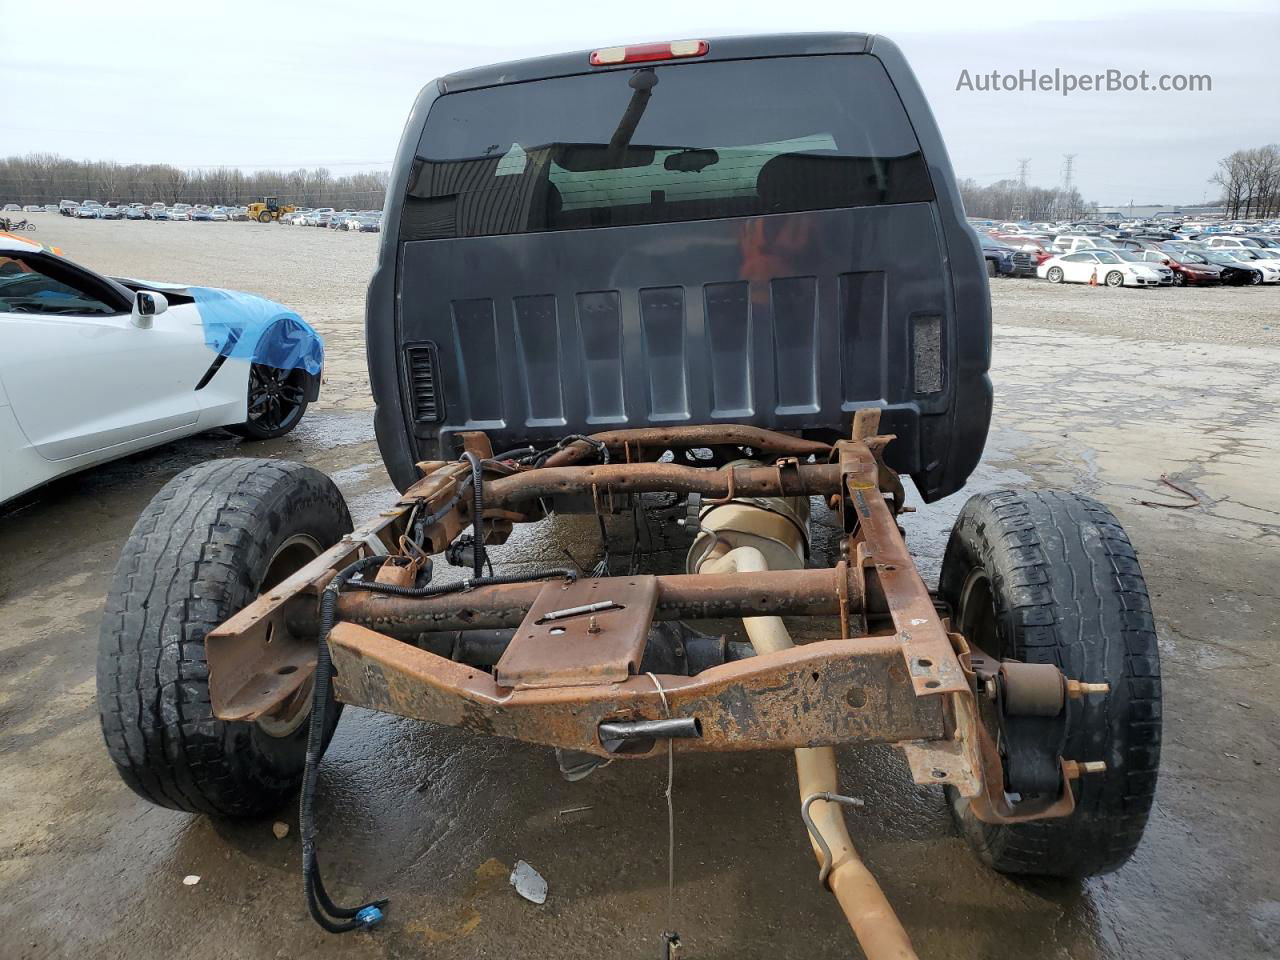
(48, 178)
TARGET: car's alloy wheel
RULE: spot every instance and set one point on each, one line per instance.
(1054, 275)
(277, 400)
(1115, 279)
(1179, 279)
(1255, 278)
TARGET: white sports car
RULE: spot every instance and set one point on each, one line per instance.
(93, 368)
(1103, 266)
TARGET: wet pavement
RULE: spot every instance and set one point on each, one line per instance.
(434, 818)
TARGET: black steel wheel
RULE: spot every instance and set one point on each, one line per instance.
(277, 401)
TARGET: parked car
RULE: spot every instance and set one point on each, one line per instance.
(1189, 269)
(93, 368)
(11, 208)
(1230, 243)
(1252, 258)
(160, 214)
(1071, 243)
(198, 214)
(367, 223)
(220, 216)
(1161, 269)
(999, 257)
(33, 208)
(110, 213)
(1100, 266)
(135, 213)
(1027, 243)
(1234, 272)
(87, 213)
(52, 208)
(1136, 244)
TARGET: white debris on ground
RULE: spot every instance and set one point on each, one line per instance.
(529, 882)
(280, 829)
(190, 880)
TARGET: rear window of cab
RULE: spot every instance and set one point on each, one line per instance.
(661, 144)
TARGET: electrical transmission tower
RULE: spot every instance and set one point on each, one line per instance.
(1020, 203)
(1068, 162)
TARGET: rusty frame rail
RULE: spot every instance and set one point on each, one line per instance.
(831, 691)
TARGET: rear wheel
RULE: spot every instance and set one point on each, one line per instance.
(991, 268)
(1054, 275)
(277, 401)
(212, 539)
(1051, 577)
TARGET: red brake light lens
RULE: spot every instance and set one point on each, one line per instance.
(648, 52)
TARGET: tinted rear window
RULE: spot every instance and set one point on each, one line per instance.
(663, 144)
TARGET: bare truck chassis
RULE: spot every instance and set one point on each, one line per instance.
(569, 675)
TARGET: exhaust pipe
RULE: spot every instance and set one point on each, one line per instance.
(874, 923)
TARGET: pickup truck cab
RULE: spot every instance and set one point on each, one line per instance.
(752, 230)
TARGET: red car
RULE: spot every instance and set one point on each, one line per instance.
(1191, 269)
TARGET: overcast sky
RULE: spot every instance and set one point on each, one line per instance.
(312, 83)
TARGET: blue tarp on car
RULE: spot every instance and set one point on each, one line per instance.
(244, 326)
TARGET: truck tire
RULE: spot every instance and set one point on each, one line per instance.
(210, 541)
(264, 216)
(1050, 577)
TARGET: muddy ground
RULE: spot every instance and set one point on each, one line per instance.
(1098, 391)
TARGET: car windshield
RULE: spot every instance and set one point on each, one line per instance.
(665, 144)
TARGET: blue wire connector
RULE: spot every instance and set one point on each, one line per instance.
(369, 916)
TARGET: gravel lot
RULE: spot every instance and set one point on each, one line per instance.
(1098, 391)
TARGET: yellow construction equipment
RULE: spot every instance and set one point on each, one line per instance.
(269, 209)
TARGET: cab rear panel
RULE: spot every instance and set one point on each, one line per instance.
(767, 235)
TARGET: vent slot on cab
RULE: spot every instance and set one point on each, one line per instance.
(424, 392)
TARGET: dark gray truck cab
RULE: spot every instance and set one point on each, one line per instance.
(766, 233)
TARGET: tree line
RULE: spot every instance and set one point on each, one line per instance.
(49, 178)
(1010, 200)
(1250, 182)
